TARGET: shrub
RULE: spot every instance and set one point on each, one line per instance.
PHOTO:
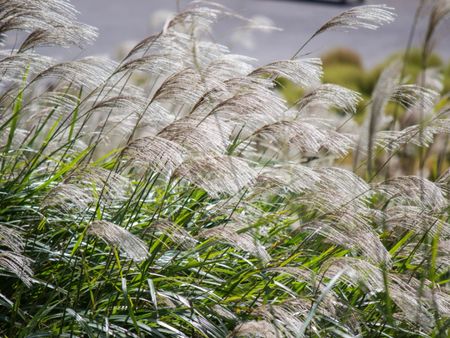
(344, 75)
(341, 56)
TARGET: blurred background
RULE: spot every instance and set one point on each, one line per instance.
(122, 22)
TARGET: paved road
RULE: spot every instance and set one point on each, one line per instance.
(120, 20)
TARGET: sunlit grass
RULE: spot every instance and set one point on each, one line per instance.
(201, 203)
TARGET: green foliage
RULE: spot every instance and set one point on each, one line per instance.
(290, 91)
(447, 79)
(341, 56)
(344, 75)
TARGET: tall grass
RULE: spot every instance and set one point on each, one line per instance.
(200, 203)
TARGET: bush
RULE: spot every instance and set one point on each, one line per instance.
(341, 56)
(344, 75)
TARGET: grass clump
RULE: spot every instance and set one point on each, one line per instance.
(201, 203)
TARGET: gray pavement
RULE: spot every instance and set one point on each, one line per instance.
(121, 20)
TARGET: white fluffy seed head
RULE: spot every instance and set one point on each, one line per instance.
(230, 234)
(114, 235)
(369, 17)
